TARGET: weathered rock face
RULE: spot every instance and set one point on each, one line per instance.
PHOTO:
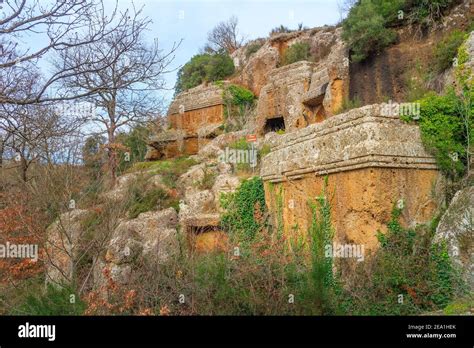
(120, 191)
(255, 70)
(199, 213)
(282, 97)
(304, 93)
(194, 117)
(152, 234)
(64, 238)
(456, 228)
(199, 106)
(372, 161)
(388, 74)
(212, 148)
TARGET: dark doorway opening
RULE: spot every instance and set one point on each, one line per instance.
(195, 230)
(274, 124)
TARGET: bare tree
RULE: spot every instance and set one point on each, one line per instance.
(224, 37)
(61, 25)
(36, 132)
(127, 85)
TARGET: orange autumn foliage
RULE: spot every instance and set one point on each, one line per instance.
(20, 226)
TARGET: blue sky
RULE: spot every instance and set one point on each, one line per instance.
(191, 20)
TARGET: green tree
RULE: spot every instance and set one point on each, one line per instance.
(93, 155)
(135, 142)
(365, 29)
(296, 52)
(204, 68)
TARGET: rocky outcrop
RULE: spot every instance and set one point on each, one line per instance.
(199, 213)
(253, 72)
(306, 92)
(194, 117)
(124, 182)
(64, 239)
(371, 161)
(456, 229)
(282, 97)
(212, 148)
(396, 70)
(151, 235)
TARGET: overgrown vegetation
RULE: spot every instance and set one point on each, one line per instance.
(52, 301)
(408, 274)
(447, 49)
(242, 208)
(368, 28)
(168, 169)
(205, 67)
(446, 121)
(261, 274)
(135, 141)
(365, 28)
(243, 145)
(349, 104)
(280, 30)
(238, 106)
(444, 133)
(296, 52)
(141, 200)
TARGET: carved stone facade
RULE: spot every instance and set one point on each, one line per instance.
(371, 161)
(194, 117)
(304, 92)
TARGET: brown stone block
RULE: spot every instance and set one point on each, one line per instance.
(361, 201)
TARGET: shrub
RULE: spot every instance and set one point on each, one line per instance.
(279, 30)
(239, 103)
(135, 141)
(253, 48)
(141, 202)
(204, 68)
(447, 49)
(365, 31)
(427, 12)
(296, 52)
(407, 264)
(208, 180)
(444, 131)
(54, 301)
(168, 169)
(242, 207)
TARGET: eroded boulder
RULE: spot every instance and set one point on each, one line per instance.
(456, 228)
(151, 235)
(64, 239)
